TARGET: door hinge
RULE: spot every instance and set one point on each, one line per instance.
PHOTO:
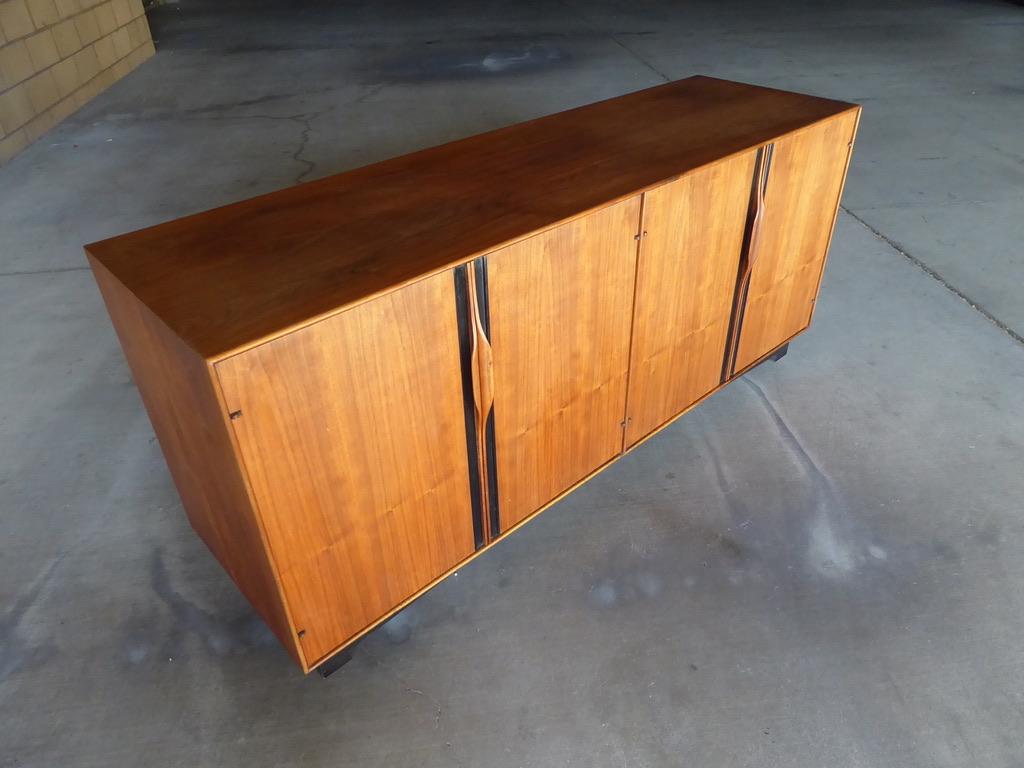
(642, 234)
(234, 415)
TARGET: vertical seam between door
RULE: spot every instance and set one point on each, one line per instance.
(463, 320)
(755, 209)
(639, 236)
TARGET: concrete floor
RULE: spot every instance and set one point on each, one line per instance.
(820, 566)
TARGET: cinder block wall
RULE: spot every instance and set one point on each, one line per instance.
(55, 55)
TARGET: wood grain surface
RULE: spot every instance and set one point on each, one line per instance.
(181, 396)
(229, 278)
(686, 278)
(560, 307)
(804, 182)
(353, 436)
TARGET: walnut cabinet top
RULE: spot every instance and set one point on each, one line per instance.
(233, 277)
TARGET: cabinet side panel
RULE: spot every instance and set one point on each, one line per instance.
(354, 438)
(179, 391)
(806, 175)
(686, 280)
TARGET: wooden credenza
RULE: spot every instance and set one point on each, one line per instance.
(361, 382)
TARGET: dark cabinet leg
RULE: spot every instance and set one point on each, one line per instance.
(779, 353)
(337, 661)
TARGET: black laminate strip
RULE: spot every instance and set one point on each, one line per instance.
(741, 306)
(482, 297)
(769, 150)
(492, 476)
(466, 360)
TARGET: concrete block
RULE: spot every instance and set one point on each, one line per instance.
(105, 55)
(42, 91)
(65, 74)
(62, 109)
(122, 43)
(39, 125)
(44, 13)
(84, 94)
(42, 50)
(138, 31)
(105, 79)
(121, 68)
(122, 12)
(88, 27)
(15, 64)
(87, 63)
(65, 36)
(105, 18)
(15, 109)
(12, 145)
(15, 19)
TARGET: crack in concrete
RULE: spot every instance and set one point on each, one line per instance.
(597, 32)
(640, 58)
(370, 92)
(271, 97)
(305, 119)
(937, 277)
(408, 688)
(307, 128)
(55, 271)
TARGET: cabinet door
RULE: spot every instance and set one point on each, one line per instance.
(805, 178)
(353, 434)
(686, 282)
(560, 310)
